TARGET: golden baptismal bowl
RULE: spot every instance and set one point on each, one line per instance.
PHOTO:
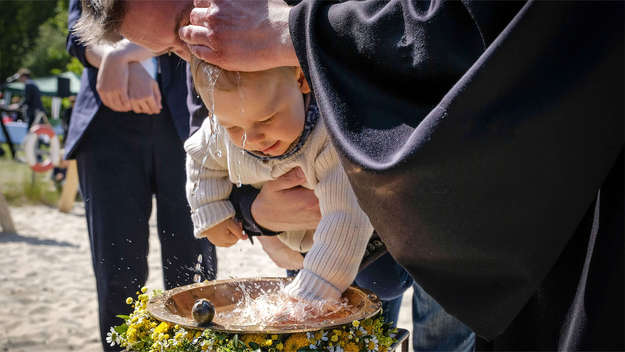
(174, 306)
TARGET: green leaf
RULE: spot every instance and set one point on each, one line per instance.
(121, 316)
(254, 345)
(121, 329)
(235, 340)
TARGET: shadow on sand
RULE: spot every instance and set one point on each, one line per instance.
(6, 237)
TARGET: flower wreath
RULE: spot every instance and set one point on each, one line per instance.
(142, 333)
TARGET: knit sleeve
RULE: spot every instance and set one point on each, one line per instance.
(340, 239)
(208, 186)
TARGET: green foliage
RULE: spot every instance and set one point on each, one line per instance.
(20, 21)
(74, 66)
(19, 187)
(48, 54)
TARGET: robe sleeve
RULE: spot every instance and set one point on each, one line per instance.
(475, 134)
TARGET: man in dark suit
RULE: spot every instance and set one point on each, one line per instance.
(129, 147)
(32, 96)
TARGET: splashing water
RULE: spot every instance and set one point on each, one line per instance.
(244, 137)
(197, 277)
(243, 140)
(241, 93)
(274, 307)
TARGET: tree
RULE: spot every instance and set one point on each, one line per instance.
(20, 21)
(48, 55)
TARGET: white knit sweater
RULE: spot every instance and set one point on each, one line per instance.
(339, 241)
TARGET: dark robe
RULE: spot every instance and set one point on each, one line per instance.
(477, 136)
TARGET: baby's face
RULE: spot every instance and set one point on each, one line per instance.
(266, 111)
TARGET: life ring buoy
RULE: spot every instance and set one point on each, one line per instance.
(30, 146)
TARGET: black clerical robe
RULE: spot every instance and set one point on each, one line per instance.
(484, 140)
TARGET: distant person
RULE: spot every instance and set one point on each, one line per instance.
(127, 140)
(32, 96)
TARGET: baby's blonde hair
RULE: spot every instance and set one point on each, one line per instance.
(207, 76)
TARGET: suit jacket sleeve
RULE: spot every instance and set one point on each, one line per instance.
(73, 45)
(481, 141)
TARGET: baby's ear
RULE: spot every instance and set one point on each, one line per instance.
(301, 80)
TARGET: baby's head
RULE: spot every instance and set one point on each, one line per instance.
(266, 106)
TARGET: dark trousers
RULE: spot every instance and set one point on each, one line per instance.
(123, 161)
(433, 329)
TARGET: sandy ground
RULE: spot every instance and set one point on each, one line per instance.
(47, 290)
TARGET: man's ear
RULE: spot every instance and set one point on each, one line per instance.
(301, 80)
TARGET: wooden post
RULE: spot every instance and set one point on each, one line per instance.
(405, 345)
(70, 187)
(6, 221)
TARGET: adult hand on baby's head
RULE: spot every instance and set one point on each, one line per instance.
(283, 205)
(225, 234)
(240, 35)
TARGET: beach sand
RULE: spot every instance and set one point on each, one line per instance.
(47, 289)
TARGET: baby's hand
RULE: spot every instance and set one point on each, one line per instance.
(225, 234)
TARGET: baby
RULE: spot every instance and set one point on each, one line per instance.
(265, 125)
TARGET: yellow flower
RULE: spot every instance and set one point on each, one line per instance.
(351, 347)
(367, 324)
(144, 289)
(256, 338)
(131, 335)
(129, 300)
(280, 346)
(356, 323)
(161, 328)
(334, 338)
(295, 342)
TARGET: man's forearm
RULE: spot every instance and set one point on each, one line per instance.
(126, 50)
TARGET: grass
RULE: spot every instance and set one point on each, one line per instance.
(19, 187)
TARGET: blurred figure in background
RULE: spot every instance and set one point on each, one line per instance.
(128, 147)
(32, 96)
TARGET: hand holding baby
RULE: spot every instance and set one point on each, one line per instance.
(224, 234)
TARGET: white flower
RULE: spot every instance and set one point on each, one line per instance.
(375, 343)
(111, 337)
(312, 347)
